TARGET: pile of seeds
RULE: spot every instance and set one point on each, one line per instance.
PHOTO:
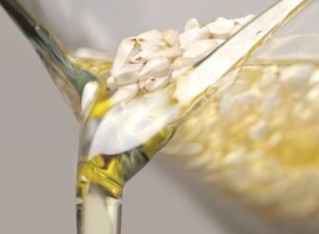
(150, 60)
(257, 137)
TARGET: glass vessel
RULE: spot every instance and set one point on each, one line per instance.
(118, 139)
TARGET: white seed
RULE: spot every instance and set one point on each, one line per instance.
(193, 23)
(245, 20)
(151, 47)
(248, 98)
(183, 62)
(160, 66)
(275, 139)
(198, 162)
(153, 84)
(153, 42)
(111, 84)
(140, 57)
(258, 131)
(145, 53)
(193, 35)
(171, 37)
(313, 94)
(128, 74)
(151, 35)
(125, 93)
(314, 78)
(171, 52)
(235, 157)
(221, 27)
(147, 49)
(296, 76)
(127, 49)
(200, 49)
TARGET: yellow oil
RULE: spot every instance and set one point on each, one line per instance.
(111, 172)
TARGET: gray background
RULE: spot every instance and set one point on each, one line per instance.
(38, 136)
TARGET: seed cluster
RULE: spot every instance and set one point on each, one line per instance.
(150, 60)
(258, 137)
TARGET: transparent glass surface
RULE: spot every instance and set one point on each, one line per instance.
(234, 115)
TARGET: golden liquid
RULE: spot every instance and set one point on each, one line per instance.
(111, 172)
(257, 138)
